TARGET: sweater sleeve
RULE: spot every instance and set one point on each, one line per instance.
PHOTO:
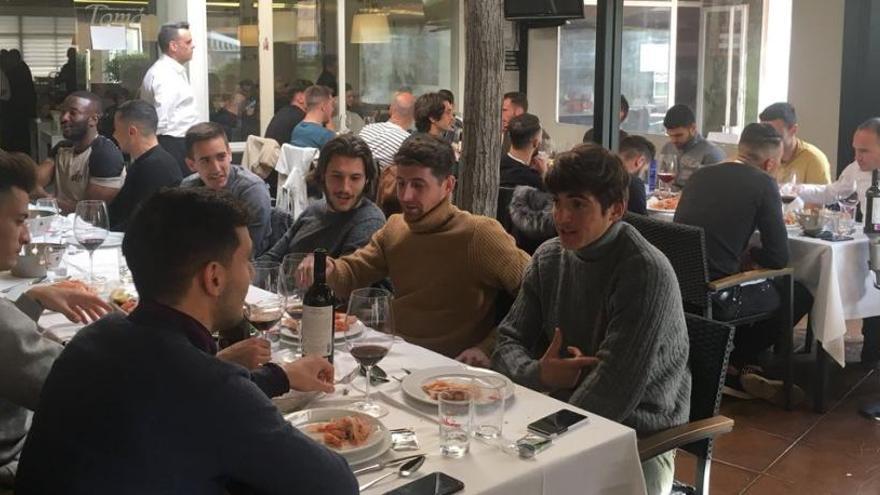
(497, 262)
(365, 266)
(299, 465)
(361, 232)
(644, 310)
(773, 251)
(284, 245)
(257, 198)
(519, 334)
(27, 356)
(271, 379)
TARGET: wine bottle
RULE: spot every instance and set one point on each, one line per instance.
(316, 328)
(872, 205)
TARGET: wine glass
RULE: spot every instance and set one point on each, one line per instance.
(666, 169)
(50, 205)
(370, 308)
(789, 190)
(847, 202)
(91, 225)
(292, 292)
(266, 312)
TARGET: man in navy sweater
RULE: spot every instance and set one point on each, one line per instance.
(141, 404)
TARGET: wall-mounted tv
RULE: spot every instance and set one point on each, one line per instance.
(520, 10)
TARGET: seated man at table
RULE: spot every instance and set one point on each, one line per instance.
(345, 219)
(636, 152)
(433, 115)
(85, 165)
(855, 179)
(141, 402)
(686, 143)
(385, 138)
(730, 201)
(209, 156)
(26, 354)
(151, 169)
(447, 266)
(801, 161)
(312, 131)
(609, 299)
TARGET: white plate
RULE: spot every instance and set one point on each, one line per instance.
(354, 329)
(651, 206)
(412, 383)
(377, 444)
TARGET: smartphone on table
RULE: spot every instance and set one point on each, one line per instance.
(557, 423)
(436, 483)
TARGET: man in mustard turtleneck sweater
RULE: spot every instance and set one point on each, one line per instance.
(447, 265)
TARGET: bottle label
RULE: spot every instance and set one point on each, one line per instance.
(317, 330)
(875, 215)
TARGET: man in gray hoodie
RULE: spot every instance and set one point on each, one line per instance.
(26, 355)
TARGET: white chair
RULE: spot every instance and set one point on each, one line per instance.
(293, 168)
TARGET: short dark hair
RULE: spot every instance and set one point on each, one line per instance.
(17, 170)
(428, 106)
(590, 169)
(517, 98)
(317, 95)
(351, 146)
(634, 144)
(757, 141)
(624, 106)
(298, 86)
(447, 95)
(780, 111)
(94, 100)
(522, 129)
(679, 115)
(169, 32)
(872, 124)
(175, 233)
(141, 114)
(204, 131)
(425, 150)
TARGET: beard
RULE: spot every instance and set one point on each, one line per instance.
(75, 131)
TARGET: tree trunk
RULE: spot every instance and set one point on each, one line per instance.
(477, 189)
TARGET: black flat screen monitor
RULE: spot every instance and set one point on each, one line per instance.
(543, 9)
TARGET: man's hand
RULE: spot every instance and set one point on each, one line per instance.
(305, 272)
(562, 373)
(250, 353)
(474, 356)
(310, 374)
(77, 305)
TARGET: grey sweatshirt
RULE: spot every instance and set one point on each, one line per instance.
(25, 360)
(616, 299)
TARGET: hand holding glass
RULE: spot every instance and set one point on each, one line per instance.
(265, 314)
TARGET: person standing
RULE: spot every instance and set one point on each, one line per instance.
(166, 86)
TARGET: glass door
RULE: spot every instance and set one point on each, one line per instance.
(722, 72)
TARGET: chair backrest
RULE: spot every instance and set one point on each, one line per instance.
(293, 168)
(280, 220)
(685, 247)
(710, 345)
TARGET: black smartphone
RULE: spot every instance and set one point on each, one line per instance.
(436, 483)
(557, 423)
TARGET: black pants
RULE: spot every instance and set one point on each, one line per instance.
(871, 345)
(176, 147)
(750, 340)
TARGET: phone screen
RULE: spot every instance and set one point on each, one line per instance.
(436, 483)
(556, 423)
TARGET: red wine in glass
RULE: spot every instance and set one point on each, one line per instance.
(788, 199)
(263, 322)
(368, 355)
(666, 177)
(92, 243)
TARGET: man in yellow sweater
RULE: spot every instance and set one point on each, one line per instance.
(447, 265)
(801, 161)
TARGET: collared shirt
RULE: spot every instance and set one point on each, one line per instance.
(693, 155)
(166, 86)
(808, 165)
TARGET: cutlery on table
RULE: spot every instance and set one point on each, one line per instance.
(387, 464)
(405, 471)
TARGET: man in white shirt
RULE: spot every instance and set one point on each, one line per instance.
(856, 177)
(385, 138)
(166, 86)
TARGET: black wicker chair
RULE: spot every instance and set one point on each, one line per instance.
(710, 346)
(685, 247)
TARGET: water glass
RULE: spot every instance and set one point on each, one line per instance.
(456, 413)
(489, 392)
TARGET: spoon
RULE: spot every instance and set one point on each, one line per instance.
(405, 471)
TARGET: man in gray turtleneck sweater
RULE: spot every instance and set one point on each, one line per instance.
(599, 321)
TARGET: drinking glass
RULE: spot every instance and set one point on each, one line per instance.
(50, 205)
(666, 170)
(91, 225)
(456, 412)
(370, 308)
(265, 313)
(789, 190)
(289, 288)
(489, 392)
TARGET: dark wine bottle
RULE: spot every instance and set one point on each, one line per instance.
(872, 205)
(317, 316)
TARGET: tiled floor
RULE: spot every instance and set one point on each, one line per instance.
(773, 451)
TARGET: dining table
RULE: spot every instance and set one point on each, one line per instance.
(599, 457)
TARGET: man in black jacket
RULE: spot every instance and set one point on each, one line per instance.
(140, 404)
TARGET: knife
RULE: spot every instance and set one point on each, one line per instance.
(382, 465)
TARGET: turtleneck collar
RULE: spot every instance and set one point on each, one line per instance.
(434, 219)
(602, 246)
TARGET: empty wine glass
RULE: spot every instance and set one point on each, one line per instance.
(369, 337)
(265, 313)
(91, 226)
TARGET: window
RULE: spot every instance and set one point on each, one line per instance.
(43, 41)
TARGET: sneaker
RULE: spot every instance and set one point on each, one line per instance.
(773, 391)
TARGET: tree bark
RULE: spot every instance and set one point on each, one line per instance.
(477, 189)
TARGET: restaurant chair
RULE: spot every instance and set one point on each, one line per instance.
(293, 168)
(710, 346)
(685, 247)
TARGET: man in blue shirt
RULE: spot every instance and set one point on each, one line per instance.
(312, 132)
